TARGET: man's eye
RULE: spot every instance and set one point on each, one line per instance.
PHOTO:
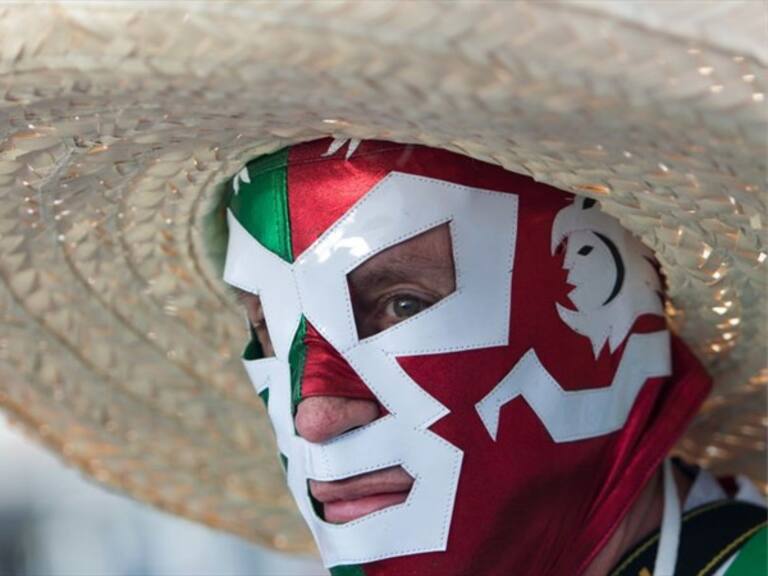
(402, 307)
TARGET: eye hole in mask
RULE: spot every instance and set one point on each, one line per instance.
(260, 345)
(402, 281)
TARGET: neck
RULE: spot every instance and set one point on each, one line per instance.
(643, 517)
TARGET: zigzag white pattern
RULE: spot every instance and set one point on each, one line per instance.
(576, 415)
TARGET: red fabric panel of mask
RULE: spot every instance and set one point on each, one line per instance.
(525, 504)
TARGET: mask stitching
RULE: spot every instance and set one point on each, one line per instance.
(329, 477)
(363, 373)
(644, 373)
(245, 283)
(367, 198)
(391, 509)
(401, 238)
(352, 523)
(373, 192)
(422, 428)
(456, 248)
(407, 322)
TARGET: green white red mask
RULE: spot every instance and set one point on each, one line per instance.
(531, 405)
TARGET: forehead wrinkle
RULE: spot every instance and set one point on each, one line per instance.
(424, 259)
(398, 270)
(414, 259)
(412, 254)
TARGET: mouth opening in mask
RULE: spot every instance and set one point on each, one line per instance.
(342, 501)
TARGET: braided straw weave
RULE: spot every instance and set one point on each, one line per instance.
(119, 346)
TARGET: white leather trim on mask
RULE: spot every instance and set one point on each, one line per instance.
(483, 226)
(575, 415)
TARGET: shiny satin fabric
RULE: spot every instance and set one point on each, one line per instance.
(525, 504)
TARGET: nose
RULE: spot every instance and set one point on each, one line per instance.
(321, 418)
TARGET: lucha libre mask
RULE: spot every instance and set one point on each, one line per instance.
(530, 405)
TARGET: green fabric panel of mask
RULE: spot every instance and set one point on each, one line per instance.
(261, 205)
(351, 570)
(297, 357)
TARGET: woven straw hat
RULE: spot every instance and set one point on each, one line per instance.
(119, 345)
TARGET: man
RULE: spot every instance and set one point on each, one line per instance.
(467, 372)
(498, 400)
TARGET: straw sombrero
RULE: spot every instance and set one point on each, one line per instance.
(120, 123)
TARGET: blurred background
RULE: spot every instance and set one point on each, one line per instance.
(53, 522)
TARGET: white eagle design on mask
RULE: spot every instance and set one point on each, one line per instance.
(614, 280)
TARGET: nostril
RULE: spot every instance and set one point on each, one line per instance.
(321, 418)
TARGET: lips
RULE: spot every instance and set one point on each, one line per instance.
(358, 496)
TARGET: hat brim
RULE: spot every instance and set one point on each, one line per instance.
(120, 122)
